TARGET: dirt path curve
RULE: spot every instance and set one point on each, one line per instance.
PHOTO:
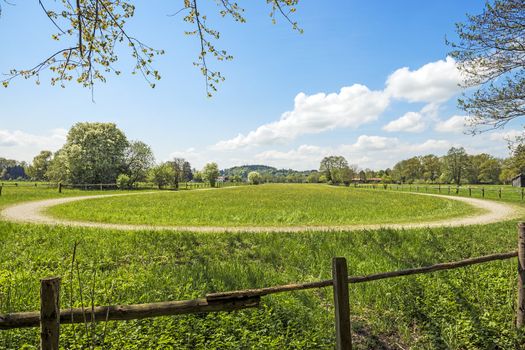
(32, 212)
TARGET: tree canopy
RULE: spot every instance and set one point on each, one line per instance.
(92, 31)
(491, 57)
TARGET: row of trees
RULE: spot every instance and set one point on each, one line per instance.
(100, 153)
(456, 167)
(11, 169)
(97, 153)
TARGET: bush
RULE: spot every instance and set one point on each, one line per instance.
(123, 182)
(254, 178)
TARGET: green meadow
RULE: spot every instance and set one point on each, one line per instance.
(468, 308)
(265, 205)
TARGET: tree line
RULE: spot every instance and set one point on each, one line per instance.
(455, 167)
(100, 153)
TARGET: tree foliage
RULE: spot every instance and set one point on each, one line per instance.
(457, 163)
(138, 159)
(93, 30)
(93, 153)
(455, 167)
(37, 171)
(11, 169)
(162, 175)
(254, 178)
(210, 173)
(491, 57)
(333, 168)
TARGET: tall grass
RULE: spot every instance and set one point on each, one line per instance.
(470, 308)
(265, 205)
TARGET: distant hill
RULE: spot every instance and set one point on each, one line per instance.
(268, 172)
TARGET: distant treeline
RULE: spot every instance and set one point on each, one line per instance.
(100, 153)
(456, 167)
(11, 169)
(267, 174)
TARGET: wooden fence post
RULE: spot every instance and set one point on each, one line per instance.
(342, 304)
(520, 319)
(499, 193)
(1, 189)
(470, 192)
(49, 313)
(483, 192)
(60, 187)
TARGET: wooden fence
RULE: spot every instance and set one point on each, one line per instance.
(479, 191)
(114, 186)
(50, 316)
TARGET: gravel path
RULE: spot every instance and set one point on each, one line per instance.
(32, 212)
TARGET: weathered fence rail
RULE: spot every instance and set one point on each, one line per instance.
(113, 186)
(50, 316)
(471, 191)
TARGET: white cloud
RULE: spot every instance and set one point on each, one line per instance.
(431, 145)
(454, 124)
(20, 145)
(366, 143)
(303, 152)
(352, 107)
(435, 82)
(356, 105)
(409, 122)
(19, 138)
(368, 151)
(509, 135)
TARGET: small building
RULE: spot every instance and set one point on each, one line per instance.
(518, 181)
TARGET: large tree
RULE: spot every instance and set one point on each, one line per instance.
(93, 31)
(333, 168)
(180, 168)
(491, 57)
(138, 159)
(431, 167)
(93, 153)
(458, 164)
(37, 171)
(11, 169)
(484, 169)
(161, 175)
(210, 173)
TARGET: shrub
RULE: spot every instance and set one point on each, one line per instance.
(254, 178)
(123, 181)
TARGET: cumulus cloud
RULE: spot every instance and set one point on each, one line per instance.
(509, 135)
(366, 143)
(21, 145)
(435, 82)
(409, 122)
(356, 105)
(430, 145)
(352, 107)
(454, 124)
(368, 151)
(14, 138)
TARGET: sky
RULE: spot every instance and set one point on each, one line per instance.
(369, 80)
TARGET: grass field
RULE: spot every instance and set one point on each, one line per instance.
(265, 205)
(470, 308)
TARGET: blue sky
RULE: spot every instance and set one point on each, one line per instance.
(368, 80)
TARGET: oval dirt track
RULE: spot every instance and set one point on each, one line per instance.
(32, 212)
